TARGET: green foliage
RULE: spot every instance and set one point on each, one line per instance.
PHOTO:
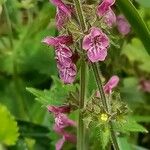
(8, 127)
(57, 95)
(136, 53)
(128, 124)
(145, 3)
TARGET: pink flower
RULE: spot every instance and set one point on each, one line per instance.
(67, 69)
(108, 87)
(109, 18)
(104, 7)
(67, 73)
(60, 109)
(145, 85)
(61, 122)
(96, 44)
(63, 13)
(62, 39)
(104, 10)
(112, 83)
(123, 26)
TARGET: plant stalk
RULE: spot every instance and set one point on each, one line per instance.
(81, 134)
(104, 101)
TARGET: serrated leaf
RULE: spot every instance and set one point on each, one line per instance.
(102, 133)
(8, 127)
(128, 124)
(56, 95)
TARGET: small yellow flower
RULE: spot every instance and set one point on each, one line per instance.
(103, 117)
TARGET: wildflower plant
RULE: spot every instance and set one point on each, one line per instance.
(84, 40)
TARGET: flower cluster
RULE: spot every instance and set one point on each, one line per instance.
(104, 10)
(67, 69)
(62, 122)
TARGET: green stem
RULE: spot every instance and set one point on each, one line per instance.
(81, 135)
(104, 101)
(79, 12)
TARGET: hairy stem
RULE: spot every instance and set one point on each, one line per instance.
(104, 101)
(79, 12)
(81, 135)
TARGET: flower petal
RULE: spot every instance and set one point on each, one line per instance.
(104, 7)
(109, 18)
(60, 143)
(50, 41)
(96, 54)
(112, 83)
(123, 26)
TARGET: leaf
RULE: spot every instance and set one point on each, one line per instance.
(130, 92)
(142, 118)
(145, 3)
(8, 127)
(128, 124)
(102, 133)
(57, 95)
(136, 53)
(37, 132)
(123, 143)
(136, 22)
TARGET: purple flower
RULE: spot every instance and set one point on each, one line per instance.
(112, 83)
(104, 7)
(67, 73)
(96, 44)
(123, 26)
(63, 39)
(104, 10)
(61, 122)
(63, 13)
(67, 69)
(109, 18)
(145, 85)
(60, 109)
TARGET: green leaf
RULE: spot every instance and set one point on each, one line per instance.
(142, 118)
(131, 93)
(128, 124)
(8, 127)
(145, 3)
(37, 132)
(123, 143)
(57, 95)
(102, 133)
(136, 53)
(136, 21)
